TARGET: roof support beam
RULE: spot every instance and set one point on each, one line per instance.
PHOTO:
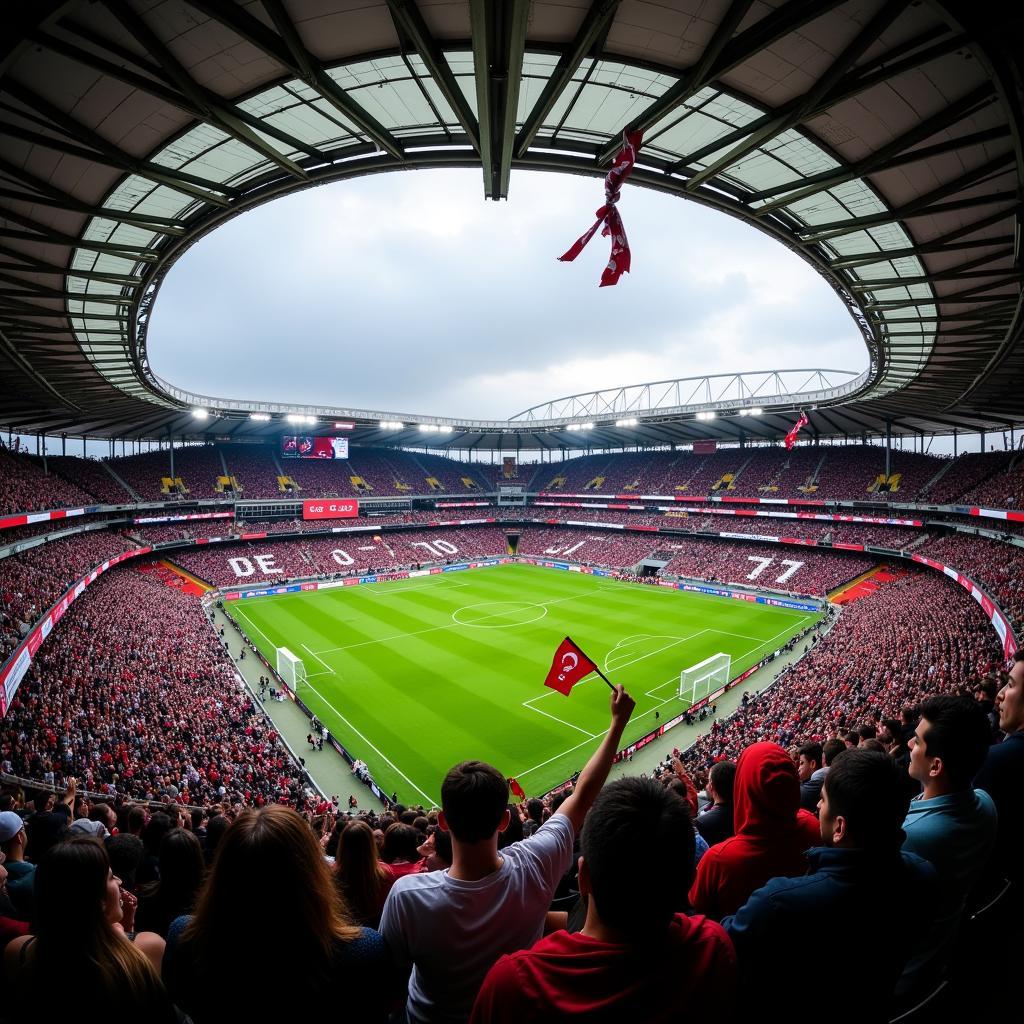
(931, 202)
(214, 109)
(407, 18)
(863, 259)
(286, 47)
(499, 42)
(594, 27)
(53, 237)
(889, 155)
(159, 88)
(952, 274)
(864, 39)
(881, 68)
(107, 152)
(723, 53)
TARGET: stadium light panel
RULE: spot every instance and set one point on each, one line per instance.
(344, 426)
(391, 425)
(200, 414)
(631, 422)
(705, 415)
(261, 417)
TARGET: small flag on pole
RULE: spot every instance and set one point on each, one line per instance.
(517, 791)
(791, 436)
(569, 666)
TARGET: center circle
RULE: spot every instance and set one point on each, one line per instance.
(498, 614)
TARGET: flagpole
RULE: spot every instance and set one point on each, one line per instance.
(611, 685)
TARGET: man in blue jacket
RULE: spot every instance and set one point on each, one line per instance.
(859, 866)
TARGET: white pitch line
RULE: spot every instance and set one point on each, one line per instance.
(628, 664)
(379, 753)
(252, 625)
(556, 757)
(592, 735)
(318, 658)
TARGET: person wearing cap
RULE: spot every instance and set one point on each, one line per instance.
(20, 874)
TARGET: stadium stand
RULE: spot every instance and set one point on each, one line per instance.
(91, 477)
(804, 570)
(31, 581)
(139, 697)
(965, 474)
(25, 487)
(254, 468)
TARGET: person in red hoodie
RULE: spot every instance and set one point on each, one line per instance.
(772, 834)
(637, 958)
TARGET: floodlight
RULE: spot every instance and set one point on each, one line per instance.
(756, 412)
(344, 426)
(200, 414)
(262, 417)
(705, 415)
(631, 422)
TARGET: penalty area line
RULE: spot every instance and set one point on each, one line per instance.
(561, 721)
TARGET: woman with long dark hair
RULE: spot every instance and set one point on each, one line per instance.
(270, 930)
(363, 880)
(174, 894)
(78, 937)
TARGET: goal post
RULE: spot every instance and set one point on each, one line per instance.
(697, 681)
(290, 668)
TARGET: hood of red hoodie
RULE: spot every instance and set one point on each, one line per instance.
(766, 793)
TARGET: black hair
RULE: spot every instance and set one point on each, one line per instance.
(474, 796)
(869, 790)
(831, 750)
(811, 751)
(633, 824)
(959, 733)
(723, 775)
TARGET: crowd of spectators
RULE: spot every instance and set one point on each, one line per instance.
(136, 696)
(965, 474)
(1001, 490)
(804, 570)
(34, 579)
(914, 637)
(91, 476)
(998, 567)
(25, 486)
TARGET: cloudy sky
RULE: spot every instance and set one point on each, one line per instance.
(409, 293)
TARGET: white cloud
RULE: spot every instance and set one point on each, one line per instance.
(408, 291)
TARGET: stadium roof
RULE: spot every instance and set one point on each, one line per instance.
(879, 139)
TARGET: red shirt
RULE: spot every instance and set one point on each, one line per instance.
(690, 974)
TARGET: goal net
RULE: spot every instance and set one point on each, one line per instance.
(290, 668)
(697, 681)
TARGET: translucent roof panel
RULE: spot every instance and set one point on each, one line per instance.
(401, 95)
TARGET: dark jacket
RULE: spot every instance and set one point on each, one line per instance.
(834, 904)
(1001, 777)
(715, 824)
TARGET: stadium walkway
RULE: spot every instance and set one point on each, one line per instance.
(328, 769)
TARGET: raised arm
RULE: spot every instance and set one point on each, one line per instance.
(593, 777)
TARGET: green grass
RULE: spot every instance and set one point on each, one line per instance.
(415, 675)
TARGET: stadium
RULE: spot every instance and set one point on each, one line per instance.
(720, 660)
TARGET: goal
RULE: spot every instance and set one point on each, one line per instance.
(290, 668)
(696, 682)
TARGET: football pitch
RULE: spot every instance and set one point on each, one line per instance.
(415, 675)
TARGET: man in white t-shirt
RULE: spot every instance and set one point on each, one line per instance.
(449, 927)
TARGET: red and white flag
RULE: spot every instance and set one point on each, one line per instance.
(608, 215)
(791, 436)
(568, 667)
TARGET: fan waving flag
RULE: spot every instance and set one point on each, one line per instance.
(517, 791)
(791, 436)
(608, 215)
(568, 667)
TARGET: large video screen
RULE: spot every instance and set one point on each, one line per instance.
(305, 447)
